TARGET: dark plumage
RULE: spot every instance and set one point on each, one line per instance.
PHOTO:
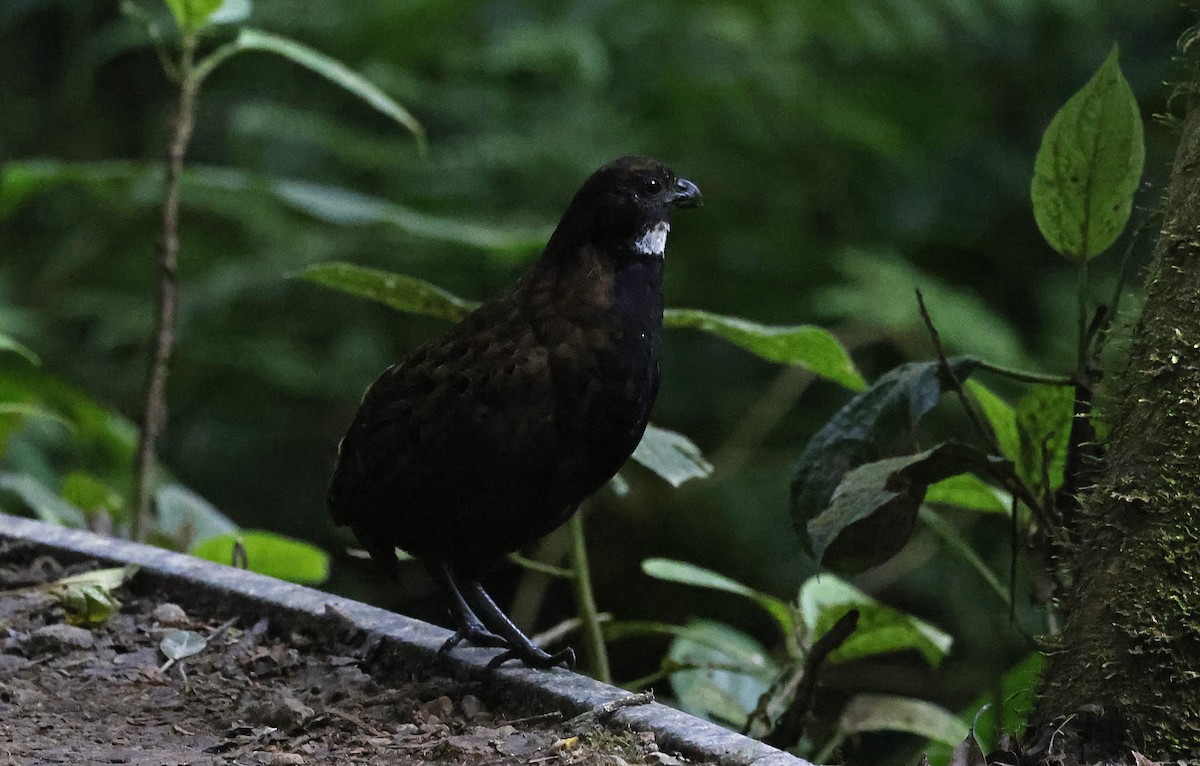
(488, 437)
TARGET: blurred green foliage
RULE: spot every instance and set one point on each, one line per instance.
(848, 151)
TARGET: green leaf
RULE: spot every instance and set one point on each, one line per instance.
(8, 344)
(270, 554)
(191, 15)
(885, 712)
(87, 598)
(46, 505)
(88, 493)
(1044, 418)
(671, 455)
(873, 511)
(187, 518)
(403, 293)
(734, 672)
(969, 492)
(1089, 165)
(332, 70)
(825, 598)
(806, 346)
(1000, 416)
(864, 429)
(690, 574)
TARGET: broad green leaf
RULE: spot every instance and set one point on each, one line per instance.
(1089, 165)
(91, 495)
(187, 518)
(735, 671)
(46, 505)
(270, 554)
(690, 574)
(8, 344)
(191, 15)
(825, 598)
(1000, 417)
(124, 181)
(403, 293)
(180, 644)
(864, 429)
(1044, 418)
(671, 455)
(968, 491)
(873, 511)
(332, 70)
(885, 712)
(806, 346)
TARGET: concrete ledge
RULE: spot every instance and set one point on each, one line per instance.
(407, 642)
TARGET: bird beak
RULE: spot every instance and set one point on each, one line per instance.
(685, 194)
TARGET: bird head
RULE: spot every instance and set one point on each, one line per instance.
(626, 206)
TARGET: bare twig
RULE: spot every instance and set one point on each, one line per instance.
(154, 414)
(593, 717)
(1011, 482)
(790, 726)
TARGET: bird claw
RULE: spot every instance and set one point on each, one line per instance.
(478, 637)
(536, 658)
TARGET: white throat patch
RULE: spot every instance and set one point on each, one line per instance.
(654, 240)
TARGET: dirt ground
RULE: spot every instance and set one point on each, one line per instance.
(254, 695)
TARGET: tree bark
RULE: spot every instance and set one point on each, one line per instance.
(1131, 637)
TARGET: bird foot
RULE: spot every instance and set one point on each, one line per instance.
(535, 658)
(476, 636)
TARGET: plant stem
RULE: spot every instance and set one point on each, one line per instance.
(154, 414)
(1081, 361)
(585, 602)
(1024, 376)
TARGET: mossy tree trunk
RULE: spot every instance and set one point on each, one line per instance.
(1131, 638)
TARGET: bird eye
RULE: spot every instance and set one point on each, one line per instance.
(652, 186)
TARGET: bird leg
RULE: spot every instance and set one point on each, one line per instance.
(519, 646)
(469, 627)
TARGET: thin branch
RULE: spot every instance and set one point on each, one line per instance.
(790, 727)
(1024, 376)
(154, 414)
(1011, 482)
